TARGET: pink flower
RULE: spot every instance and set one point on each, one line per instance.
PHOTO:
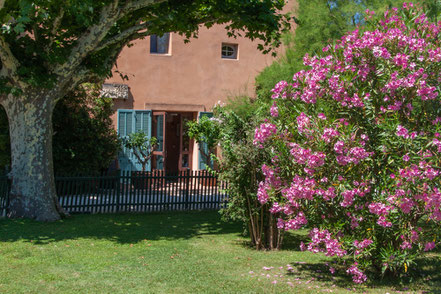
(406, 245)
(338, 147)
(363, 244)
(262, 133)
(262, 193)
(267, 268)
(329, 133)
(278, 89)
(357, 275)
(274, 110)
(302, 122)
(429, 246)
(402, 132)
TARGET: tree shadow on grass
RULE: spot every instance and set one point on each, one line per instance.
(121, 228)
(425, 280)
(291, 240)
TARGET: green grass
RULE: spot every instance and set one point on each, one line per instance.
(166, 253)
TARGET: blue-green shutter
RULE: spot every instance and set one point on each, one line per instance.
(143, 122)
(124, 129)
(204, 146)
(130, 121)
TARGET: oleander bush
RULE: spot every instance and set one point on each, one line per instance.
(355, 145)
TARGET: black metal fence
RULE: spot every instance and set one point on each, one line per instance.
(4, 194)
(135, 192)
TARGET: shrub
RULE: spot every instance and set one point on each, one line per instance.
(206, 133)
(356, 146)
(84, 139)
(142, 147)
(239, 166)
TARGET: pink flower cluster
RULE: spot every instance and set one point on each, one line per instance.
(274, 110)
(357, 275)
(321, 241)
(329, 133)
(262, 133)
(307, 157)
(278, 90)
(362, 245)
(349, 195)
(353, 155)
(382, 211)
(302, 123)
(300, 188)
(293, 224)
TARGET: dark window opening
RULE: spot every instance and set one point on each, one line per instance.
(160, 44)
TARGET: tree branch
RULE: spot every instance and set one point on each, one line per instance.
(9, 63)
(89, 40)
(56, 25)
(84, 74)
(125, 35)
(138, 4)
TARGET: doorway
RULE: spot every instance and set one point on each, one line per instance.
(174, 149)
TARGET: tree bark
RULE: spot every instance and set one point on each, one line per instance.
(33, 193)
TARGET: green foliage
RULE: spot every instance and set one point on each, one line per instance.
(142, 147)
(318, 23)
(206, 133)
(240, 166)
(84, 138)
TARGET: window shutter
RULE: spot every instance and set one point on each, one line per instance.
(203, 146)
(124, 129)
(122, 124)
(143, 122)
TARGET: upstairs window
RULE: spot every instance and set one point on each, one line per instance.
(160, 44)
(229, 51)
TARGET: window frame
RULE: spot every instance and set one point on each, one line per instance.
(235, 51)
(155, 46)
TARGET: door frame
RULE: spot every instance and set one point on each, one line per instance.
(189, 152)
(162, 153)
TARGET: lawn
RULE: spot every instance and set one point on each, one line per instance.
(192, 252)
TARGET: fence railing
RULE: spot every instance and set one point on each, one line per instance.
(135, 192)
(4, 194)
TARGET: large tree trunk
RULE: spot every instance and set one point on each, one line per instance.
(33, 193)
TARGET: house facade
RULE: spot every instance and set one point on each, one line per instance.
(170, 82)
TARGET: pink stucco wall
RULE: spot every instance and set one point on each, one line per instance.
(192, 74)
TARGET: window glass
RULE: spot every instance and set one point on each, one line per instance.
(160, 44)
(229, 51)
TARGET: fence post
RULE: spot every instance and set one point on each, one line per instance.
(118, 189)
(187, 187)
